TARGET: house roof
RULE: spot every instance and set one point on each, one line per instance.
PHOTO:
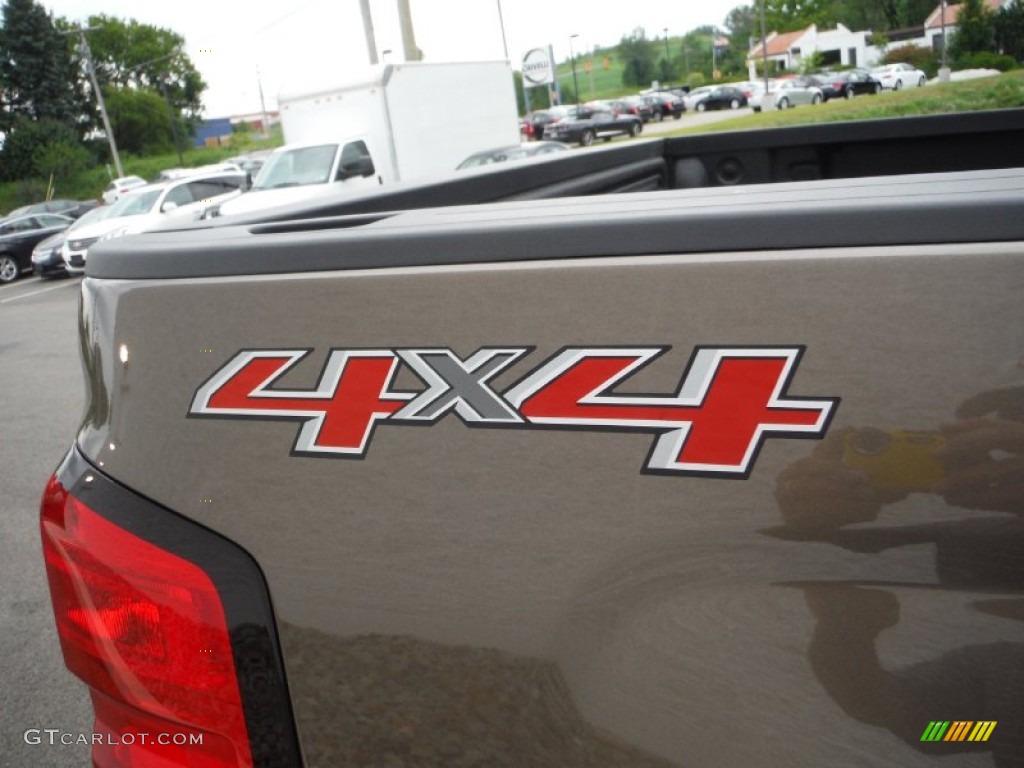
(934, 20)
(778, 45)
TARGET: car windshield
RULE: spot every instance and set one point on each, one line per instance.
(91, 217)
(135, 204)
(297, 167)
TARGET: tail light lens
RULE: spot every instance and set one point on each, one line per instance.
(146, 630)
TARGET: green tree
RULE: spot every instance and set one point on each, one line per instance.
(36, 70)
(128, 54)
(638, 58)
(28, 140)
(791, 15)
(1008, 26)
(744, 27)
(915, 12)
(141, 120)
(974, 30)
(696, 51)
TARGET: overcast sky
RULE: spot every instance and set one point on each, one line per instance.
(320, 42)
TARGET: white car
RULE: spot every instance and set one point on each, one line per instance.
(791, 93)
(170, 174)
(896, 76)
(119, 186)
(149, 207)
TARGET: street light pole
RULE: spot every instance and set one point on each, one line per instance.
(572, 58)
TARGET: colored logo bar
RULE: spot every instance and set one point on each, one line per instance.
(958, 730)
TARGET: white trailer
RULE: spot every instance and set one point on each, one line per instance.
(400, 123)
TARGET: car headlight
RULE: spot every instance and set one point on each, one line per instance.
(43, 254)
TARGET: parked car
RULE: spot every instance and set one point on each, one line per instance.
(47, 261)
(533, 123)
(515, 152)
(19, 235)
(901, 75)
(665, 104)
(119, 186)
(72, 208)
(583, 125)
(150, 206)
(48, 256)
(846, 85)
(250, 162)
(791, 93)
(633, 105)
(170, 174)
(721, 97)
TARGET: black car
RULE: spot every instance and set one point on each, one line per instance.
(633, 105)
(665, 104)
(19, 236)
(722, 97)
(533, 123)
(47, 259)
(846, 85)
(584, 124)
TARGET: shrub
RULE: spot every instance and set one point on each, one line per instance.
(922, 58)
(986, 60)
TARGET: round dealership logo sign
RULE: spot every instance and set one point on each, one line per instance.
(537, 69)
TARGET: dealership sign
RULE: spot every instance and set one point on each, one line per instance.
(537, 69)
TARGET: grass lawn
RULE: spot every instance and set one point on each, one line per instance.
(1001, 92)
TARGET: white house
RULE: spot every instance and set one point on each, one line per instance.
(841, 47)
(837, 47)
(940, 22)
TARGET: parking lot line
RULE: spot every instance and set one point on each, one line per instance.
(36, 293)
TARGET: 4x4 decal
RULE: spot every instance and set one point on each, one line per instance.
(728, 401)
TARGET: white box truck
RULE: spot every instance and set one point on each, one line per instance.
(400, 123)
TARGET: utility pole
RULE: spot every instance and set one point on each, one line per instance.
(764, 48)
(501, 23)
(572, 58)
(409, 49)
(86, 54)
(371, 40)
(263, 106)
(944, 68)
(170, 118)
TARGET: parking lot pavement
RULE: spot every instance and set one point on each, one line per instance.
(32, 286)
(690, 119)
(41, 382)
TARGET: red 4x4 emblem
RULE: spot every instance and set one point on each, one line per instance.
(728, 401)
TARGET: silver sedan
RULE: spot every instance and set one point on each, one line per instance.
(791, 93)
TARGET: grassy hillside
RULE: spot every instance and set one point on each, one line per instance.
(1000, 92)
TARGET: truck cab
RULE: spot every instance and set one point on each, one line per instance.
(301, 171)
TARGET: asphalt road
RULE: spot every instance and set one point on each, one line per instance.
(41, 382)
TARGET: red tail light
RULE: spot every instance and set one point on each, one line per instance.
(145, 630)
